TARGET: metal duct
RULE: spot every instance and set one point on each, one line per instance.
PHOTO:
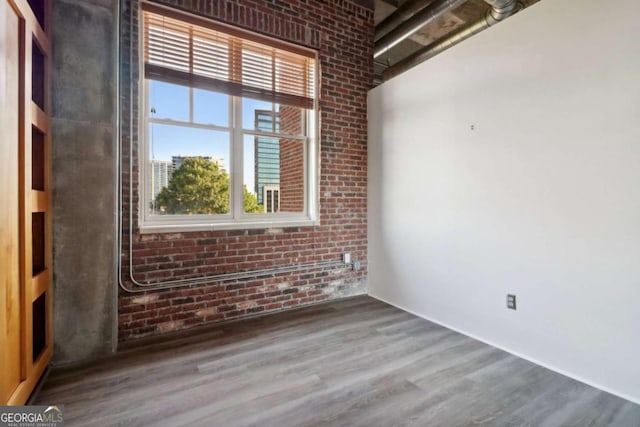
(401, 14)
(500, 10)
(413, 24)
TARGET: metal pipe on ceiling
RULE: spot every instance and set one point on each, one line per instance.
(500, 10)
(425, 16)
(401, 14)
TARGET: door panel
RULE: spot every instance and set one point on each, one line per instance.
(24, 139)
(10, 298)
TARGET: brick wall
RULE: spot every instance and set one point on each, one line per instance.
(342, 32)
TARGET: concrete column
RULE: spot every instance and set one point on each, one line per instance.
(84, 71)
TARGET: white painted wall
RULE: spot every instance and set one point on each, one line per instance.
(540, 199)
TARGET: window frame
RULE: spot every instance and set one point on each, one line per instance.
(237, 218)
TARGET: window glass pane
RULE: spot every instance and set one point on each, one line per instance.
(38, 70)
(258, 115)
(210, 108)
(38, 156)
(273, 175)
(38, 245)
(290, 119)
(168, 101)
(276, 118)
(189, 171)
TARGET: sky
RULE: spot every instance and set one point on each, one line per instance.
(172, 102)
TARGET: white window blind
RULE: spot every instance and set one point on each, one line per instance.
(200, 53)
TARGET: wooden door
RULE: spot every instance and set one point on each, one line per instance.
(10, 100)
(25, 188)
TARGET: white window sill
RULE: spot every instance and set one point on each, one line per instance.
(151, 228)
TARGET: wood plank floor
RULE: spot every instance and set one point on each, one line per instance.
(356, 362)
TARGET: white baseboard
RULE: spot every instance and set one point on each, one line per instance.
(515, 353)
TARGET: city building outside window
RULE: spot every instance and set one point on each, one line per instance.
(229, 127)
(271, 196)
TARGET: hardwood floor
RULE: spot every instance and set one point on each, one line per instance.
(356, 362)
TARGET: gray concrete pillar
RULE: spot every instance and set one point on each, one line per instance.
(84, 179)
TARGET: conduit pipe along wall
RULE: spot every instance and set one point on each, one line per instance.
(427, 15)
(500, 10)
(401, 14)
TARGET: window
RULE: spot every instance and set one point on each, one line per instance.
(229, 127)
(271, 195)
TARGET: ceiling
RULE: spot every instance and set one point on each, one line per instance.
(469, 12)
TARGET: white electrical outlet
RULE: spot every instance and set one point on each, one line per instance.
(346, 258)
